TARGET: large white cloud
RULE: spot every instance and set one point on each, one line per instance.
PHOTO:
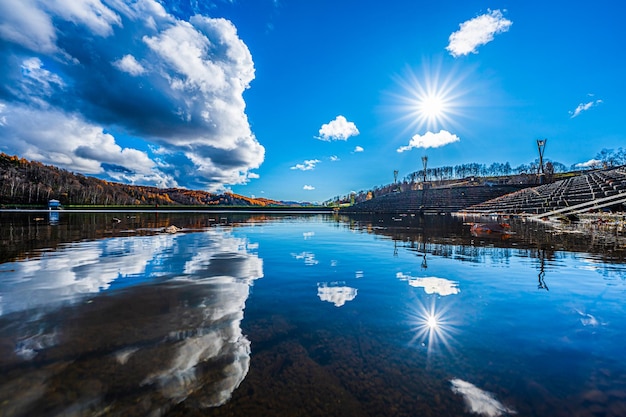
(338, 129)
(131, 68)
(430, 140)
(476, 32)
(34, 134)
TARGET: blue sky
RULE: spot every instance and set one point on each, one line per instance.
(305, 100)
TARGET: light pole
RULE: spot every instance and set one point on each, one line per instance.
(395, 180)
(425, 164)
(541, 146)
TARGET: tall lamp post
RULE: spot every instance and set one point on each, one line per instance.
(541, 146)
(425, 164)
(395, 180)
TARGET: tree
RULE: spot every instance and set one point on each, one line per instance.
(608, 158)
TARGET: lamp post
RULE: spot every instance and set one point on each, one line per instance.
(395, 180)
(425, 164)
(541, 146)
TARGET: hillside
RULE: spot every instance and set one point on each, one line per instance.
(24, 182)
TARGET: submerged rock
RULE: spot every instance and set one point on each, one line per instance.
(171, 229)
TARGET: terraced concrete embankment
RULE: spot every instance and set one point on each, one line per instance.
(432, 200)
(595, 190)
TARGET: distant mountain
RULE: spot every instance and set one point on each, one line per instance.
(30, 182)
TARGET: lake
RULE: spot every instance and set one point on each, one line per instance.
(306, 315)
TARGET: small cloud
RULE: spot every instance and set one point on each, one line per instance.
(584, 107)
(338, 129)
(430, 140)
(308, 165)
(334, 158)
(479, 401)
(38, 79)
(253, 176)
(308, 187)
(476, 32)
(129, 65)
(589, 164)
(358, 149)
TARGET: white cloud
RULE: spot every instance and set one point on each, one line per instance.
(68, 141)
(476, 32)
(358, 149)
(430, 140)
(23, 22)
(584, 107)
(336, 293)
(338, 129)
(432, 285)
(99, 18)
(129, 64)
(334, 158)
(308, 187)
(189, 103)
(589, 164)
(308, 165)
(33, 69)
(479, 401)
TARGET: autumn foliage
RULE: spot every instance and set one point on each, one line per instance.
(29, 182)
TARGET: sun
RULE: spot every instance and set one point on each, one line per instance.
(433, 107)
(432, 322)
(429, 100)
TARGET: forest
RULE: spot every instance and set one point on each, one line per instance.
(31, 183)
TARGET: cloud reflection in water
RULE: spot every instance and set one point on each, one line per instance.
(479, 401)
(336, 293)
(431, 285)
(173, 336)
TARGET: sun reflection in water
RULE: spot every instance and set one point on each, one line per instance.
(432, 326)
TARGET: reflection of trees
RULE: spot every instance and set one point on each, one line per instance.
(141, 349)
(23, 232)
(448, 236)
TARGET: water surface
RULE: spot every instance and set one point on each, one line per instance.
(106, 314)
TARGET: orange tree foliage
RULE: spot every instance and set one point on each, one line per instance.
(26, 182)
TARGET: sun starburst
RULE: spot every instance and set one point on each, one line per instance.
(432, 326)
(430, 100)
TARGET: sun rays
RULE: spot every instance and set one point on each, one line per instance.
(432, 326)
(429, 101)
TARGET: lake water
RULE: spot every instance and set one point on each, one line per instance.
(306, 315)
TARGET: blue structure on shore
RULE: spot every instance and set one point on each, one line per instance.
(54, 205)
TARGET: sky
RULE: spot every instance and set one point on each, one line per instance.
(304, 100)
